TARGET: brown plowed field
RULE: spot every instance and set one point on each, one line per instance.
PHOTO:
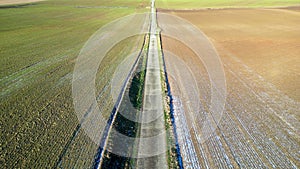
(260, 50)
(266, 40)
(10, 2)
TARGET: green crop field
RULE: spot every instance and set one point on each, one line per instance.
(195, 4)
(38, 47)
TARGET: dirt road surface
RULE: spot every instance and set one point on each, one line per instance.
(153, 134)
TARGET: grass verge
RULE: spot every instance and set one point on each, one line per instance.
(128, 108)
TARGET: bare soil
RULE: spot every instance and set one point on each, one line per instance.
(10, 2)
(260, 51)
(266, 40)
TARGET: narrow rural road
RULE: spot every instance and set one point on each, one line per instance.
(153, 135)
